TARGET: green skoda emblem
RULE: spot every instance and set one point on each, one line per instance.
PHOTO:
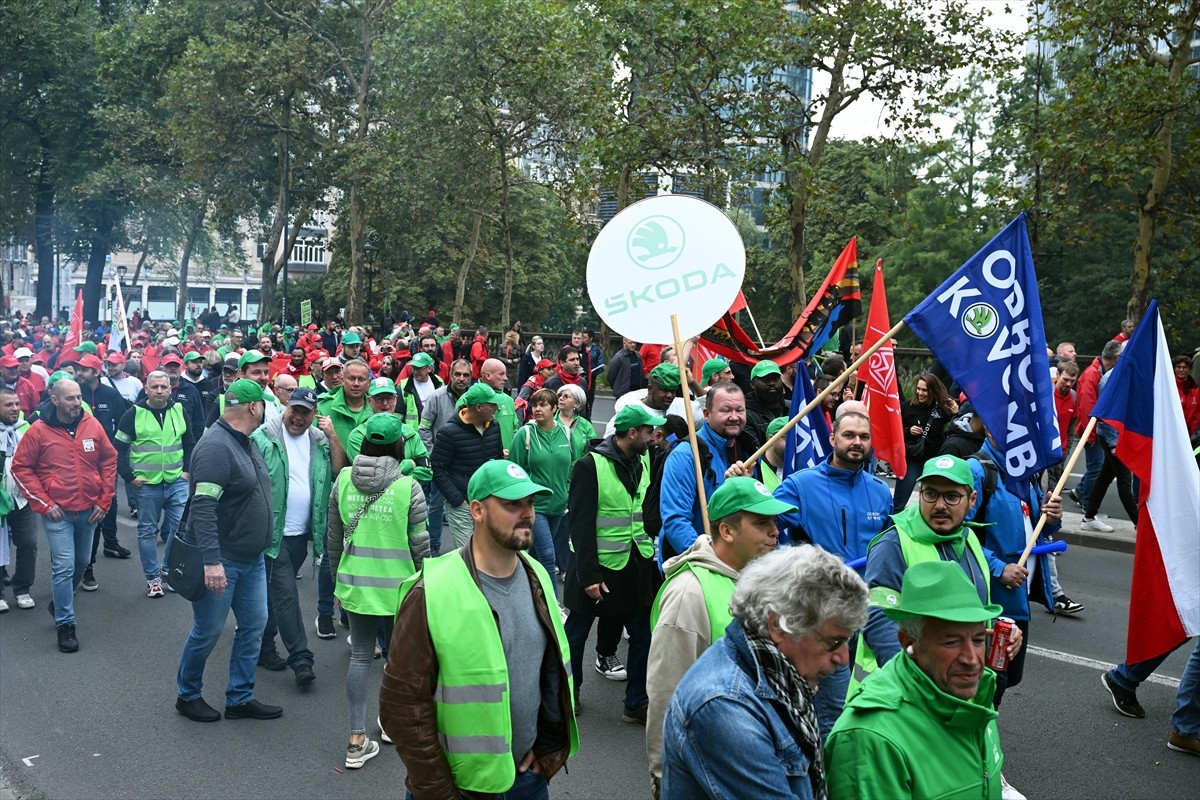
(980, 321)
(656, 242)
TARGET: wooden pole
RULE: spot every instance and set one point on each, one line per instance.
(1062, 481)
(837, 383)
(686, 396)
(757, 333)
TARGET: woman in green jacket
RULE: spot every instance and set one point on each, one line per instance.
(570, 399)
(542, 447)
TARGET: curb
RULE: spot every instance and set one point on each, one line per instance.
(1101, 541)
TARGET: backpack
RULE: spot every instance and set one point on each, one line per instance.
(991, 479)
(651, 512)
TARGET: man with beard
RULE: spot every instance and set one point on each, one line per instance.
(129, 387)
(193, 373)
(439, 409)
(840, 506)
(468, 622)
(568, 370)
(765, 401)
(183, 392)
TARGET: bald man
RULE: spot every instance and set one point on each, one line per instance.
(494, 374)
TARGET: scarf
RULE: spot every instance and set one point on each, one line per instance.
(567, 377)
(797, 698)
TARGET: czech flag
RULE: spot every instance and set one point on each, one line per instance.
(1141, 402)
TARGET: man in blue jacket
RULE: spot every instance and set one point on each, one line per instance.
(840, 507)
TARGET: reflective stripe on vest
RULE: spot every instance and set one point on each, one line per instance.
(619, 516)
(377, 559)
(471, 696)
(717, 590)
(156, 452)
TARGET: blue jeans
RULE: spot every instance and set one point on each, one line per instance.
(1130, 676)
(545, 531)
(1094, 453)
(1186, 719)
(153, 499)
(246, 594)
(579, 626)
(433, 523)
(70, 553)
(529, 785)
(324, 588)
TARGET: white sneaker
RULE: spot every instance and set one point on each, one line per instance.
(357, 755)
(3, 605)
(1007, 792)
(1095, 525)
(154, 588)
(25, 601)
(382, 733)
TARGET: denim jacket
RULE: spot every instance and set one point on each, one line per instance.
(723, 699)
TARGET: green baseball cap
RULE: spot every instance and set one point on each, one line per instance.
(635, 415)
(502, 479)
(952, 468)
(86, 347)
(939, 589)
(252, 357)
(712, 367)
(243, 391)
(193, 356)
(765, 368)
(665, 376)
(744, 494)
(57, 376)
(479, 392)
(383, 428)
(775, 426)
(381, 386)
(421, 360)
(351, 338)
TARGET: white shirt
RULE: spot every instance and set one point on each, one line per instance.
(299, 493)
(424, 389)
(127, 386)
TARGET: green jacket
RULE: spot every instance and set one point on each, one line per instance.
(916, 740)
(269, 441)
(333, 405)
(506, 418)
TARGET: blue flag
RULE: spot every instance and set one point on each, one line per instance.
(984, 324)
(808, 440)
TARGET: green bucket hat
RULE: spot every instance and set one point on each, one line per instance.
(939, 589)
(744, 494)
(952, 468)
(502, 479)
(479, 392)
(665, 376)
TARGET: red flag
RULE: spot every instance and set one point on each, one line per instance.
(739, 303)
(75, 329)
(882, 394)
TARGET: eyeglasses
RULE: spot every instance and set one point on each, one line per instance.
(931, 496)
(832, 645)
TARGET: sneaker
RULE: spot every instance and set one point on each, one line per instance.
(25, 601)
(1065, 605)
(89, 581)
(269, 659)
(115, 550)
(382, 733)
(154, 588)
(637, 716)
(611, 668)
(3, 605)
(304, 675)
(1124, 700)
(1183, 744)
(300, 574)
(67, 643)
(325, 626)
(1007, 792)
(133, 513)
(1095, 525)
(359, 754)
(1074, 495)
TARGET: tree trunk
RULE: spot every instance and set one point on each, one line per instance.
(506, 307)
(101, 243)
(43, 238)
(460, 288)
(282, 198)
(185, 259)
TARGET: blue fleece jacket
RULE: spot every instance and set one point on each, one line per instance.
(681, 519)
(840, 510)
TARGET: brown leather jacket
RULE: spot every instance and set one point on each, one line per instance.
(406, 707)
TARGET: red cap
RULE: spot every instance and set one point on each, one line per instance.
(317, 355)
(9, 362)
(312, 326)
(544, 363)
(115, 357)
(91, 362)
(331, 363)
(170, 359)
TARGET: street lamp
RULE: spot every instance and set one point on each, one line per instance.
(371, 250)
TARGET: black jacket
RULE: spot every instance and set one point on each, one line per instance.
(625, 372)
(759, 415)
(237, 524)
(107, 404)
(459, 450)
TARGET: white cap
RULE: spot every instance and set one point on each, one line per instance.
(23, 352)
(171, 341)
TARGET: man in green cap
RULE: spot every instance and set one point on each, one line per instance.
(351, 347)
(771, 464)
(420, 386)
(765, 401)
(466, 442)
(924, 725)
(382, 399)
(715, 370)
(612, 573)
(347, 404)
(692, 607)
(468, 622)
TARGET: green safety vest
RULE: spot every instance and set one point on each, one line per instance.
(913, 552)
(619, 516)
(717, 590)
(471, 698)
(156, 451)
(377, 559)
(307, 380)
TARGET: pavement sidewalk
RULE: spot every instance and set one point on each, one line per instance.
(1121, 539)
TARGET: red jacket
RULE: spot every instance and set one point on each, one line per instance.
(1088, 390)
(74, 472)
(27, 395)
(1064, 409)
(651, 354)
(479, 354)
(1189, 396)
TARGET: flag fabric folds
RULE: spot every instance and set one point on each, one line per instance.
(118, 337)
(1140, 400)
(808, 441)
(878, 375)
(75, 326)
(984, 324)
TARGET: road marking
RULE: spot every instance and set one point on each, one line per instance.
(1080, 661)
(29, 760)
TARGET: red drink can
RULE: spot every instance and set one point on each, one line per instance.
(1002, 634)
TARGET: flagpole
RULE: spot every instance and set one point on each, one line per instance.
(686, 395)
(1062, 482)
(816, 401)
(762, 345)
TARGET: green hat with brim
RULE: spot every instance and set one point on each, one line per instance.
(243, 391)
(57, 376)
(744, 494)
(765, 368)
(775, 426)
(479, 392)
(665, 376)
(351, 338)
(421, 360)
(252, 357)
(712, 367)
(635, 415)
(941, 590)
(952, 468)
(383, 428)
(503, 479)
(86, 347)
(192, 356)
(381, 386)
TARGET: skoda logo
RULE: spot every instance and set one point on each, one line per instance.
(517, 472)
(944, 463)
(980, 320)
(656, 242)
(763, 490)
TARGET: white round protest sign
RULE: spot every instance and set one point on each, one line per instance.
(665, 255)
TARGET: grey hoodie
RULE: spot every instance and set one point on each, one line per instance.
(371, 474)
